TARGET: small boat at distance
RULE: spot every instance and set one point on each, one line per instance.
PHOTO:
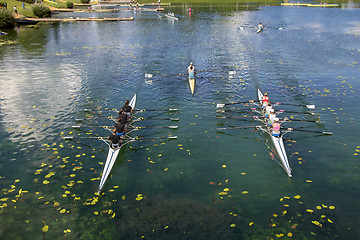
(171, 16)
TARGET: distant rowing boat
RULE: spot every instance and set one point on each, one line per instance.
(172, 16)
(112, 155)
(277, 141)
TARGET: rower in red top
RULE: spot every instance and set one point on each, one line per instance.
(265, 100)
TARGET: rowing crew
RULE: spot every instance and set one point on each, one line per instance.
(273, 121)
(120, 127)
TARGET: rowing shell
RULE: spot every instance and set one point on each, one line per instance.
(112, 155)
(192, 85)
(278, 143)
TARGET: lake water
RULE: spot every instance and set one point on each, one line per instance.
(209, 183)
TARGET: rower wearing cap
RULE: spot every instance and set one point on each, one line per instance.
(127, 108)
(272, 116)
(276, 128)
(115, 140)
(268, 107)
(191, 71)
(265, 100)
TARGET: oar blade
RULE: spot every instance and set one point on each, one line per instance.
(220, 105)
(310, 106)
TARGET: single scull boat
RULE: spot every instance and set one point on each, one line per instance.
(113, 153)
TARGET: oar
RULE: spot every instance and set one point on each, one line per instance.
(300, 120)
(135, 138)
(171, 119)
(225, 128)
(220, 105)
(159, 110)
(299, 105)
(236, 110)
(309, 113)
(302, 130)
(171, 127)
(237, 117)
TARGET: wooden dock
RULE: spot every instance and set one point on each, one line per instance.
(81, 19)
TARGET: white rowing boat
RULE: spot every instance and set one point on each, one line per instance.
(172, 16)
(192, 85)
(112, 155)
(278, 143)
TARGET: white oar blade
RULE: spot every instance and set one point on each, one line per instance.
(310, 106)
(232, 72)
(68, 138)
(327, 133)
(173, 127)
(173, 137)
(173, 109)
(75, 126)
(220, 105)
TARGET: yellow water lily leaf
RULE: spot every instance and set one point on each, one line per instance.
(63, 210)
(309, 210)
(251, 223)
(46, 182)
(297, 197)
(331, 207)
(289, 234)
(232, 225)
(56, 204)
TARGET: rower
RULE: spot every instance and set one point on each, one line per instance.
(191, 71)
(272, 116)
(265, 100)
(127, 108)
(123, 117)
(119, 129)
(267, 109)
(115, 140)
(276, 128)
(260, 26)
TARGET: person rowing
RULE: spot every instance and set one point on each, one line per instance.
(191, 71)
(123, 117)
(276, 128)
(115, 140)
(267, 109)
(127, 108)
(119, 128)
(260, 27)
(265, 100)
(272, 116)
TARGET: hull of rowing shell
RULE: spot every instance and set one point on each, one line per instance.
(279, 145)
(112, 155)
(110, 160)
(192, 86)
(172, 17)
(259, 30)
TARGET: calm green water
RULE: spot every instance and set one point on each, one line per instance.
(48, 76)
